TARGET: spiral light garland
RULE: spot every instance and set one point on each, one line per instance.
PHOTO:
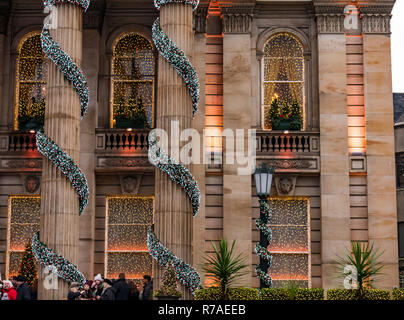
(185, 273)
(49, 149)
(261, 251)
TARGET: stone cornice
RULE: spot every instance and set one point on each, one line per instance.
(237, 18)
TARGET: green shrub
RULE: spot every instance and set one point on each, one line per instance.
(295, 294)
(214, 293)
(274, 294)
(351, 294)
(243, 294)
(398, 294)
(309, 294)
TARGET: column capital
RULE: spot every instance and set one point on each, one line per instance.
(94, 17)
(200, 16)
(237, 18)
(330, 18)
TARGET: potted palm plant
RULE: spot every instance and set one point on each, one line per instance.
(224, 267)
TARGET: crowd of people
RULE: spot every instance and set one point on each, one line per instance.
(106, 289)
(17, 288)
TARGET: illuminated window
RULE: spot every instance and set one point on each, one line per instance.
(23, 223)
(30, 84)
(128, 219)
(290, 241)
(133, 78)
(283, 73)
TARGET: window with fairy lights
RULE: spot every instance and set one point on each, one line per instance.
(31, 71)
(23, 223)
(290, 244)
(128, 219)
(133, 82)
(283, 83)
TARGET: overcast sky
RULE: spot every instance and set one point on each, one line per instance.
(397, 46)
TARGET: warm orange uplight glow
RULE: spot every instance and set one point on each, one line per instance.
(112, 249)
(296, 250)
(129, 276)
(355, 95)
(286, 276)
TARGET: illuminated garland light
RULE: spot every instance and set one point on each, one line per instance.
(180, 62)
(263, 253)
(185, 273)
(65, 269)
(177, 172)
(49, 149)
(160, 3)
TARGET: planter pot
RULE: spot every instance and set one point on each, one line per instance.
(31, 125)
(289, 124)
(129, 123)
(167, 297)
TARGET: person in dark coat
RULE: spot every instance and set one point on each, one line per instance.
(108, 292)
(74, 293)
(147, 288)
(121, 288)
(133, 291)
(23, 292)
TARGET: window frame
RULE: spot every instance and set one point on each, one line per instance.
(20, 43)
(111, 82)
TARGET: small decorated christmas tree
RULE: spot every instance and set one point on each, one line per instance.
(28, 268)
(274, 113)
(139, 115)
(169, 283)
(296, 116)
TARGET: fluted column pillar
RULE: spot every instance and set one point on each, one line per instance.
(59, 203)
(173, 213)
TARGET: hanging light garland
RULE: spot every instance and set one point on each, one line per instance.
(185, 273)
(49, 149)
(262, 252)
(46, 257)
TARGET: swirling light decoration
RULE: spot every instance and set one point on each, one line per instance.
(49, 149)
(185, 273)
(263, 253)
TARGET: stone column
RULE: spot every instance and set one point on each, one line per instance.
(334, 157)
(237, 81)
(173, 212)
(382, 210)
(59, 202)
(87, 140)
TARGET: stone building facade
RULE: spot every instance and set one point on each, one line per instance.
(334, 180)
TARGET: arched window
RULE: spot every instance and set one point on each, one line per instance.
(30, 84)
(283, 82)
(133, 78)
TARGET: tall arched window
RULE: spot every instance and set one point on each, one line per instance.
(283, 82)
(133, 78)
(30, 84)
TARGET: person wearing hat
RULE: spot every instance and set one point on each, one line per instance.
(87, 293)
(108, 292)
(8, 292)
(23, 291)
(98, 286)
(74, 292)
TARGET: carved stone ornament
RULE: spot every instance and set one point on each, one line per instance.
(31, 183)
(130, 183)
(285, 185)
(237, 18)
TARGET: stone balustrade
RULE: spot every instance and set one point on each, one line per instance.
(272, 142)
(121, 139)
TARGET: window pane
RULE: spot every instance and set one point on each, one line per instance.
(290, 241)
(401, 238)
(133, 76)
(128, 221)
